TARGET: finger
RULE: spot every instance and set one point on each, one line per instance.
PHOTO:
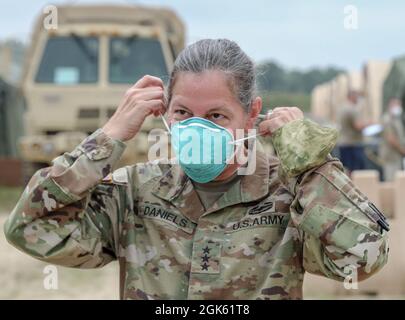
(287, 111)
(289, 114)
(274, 112)
(133, 90)
(160, 111)
(294, 111)
(148, 95)
(268, 127)
(283, 107)
(280, 115)
(132, 101)
(148, 81)
(297, 112)
(264, 127)
(268, 114)
(157, 111)
(278, 109)
(163, 108)
(148, 107)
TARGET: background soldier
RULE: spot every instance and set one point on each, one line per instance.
(351, 137)
(392, 148)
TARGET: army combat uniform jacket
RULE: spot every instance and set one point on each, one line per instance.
(298, 212)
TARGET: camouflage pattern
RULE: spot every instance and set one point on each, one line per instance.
(303, 145)
(255, 242)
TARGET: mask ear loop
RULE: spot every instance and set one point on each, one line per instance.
(239, 142)
(237, 147)
(166, 124)
(261, 117)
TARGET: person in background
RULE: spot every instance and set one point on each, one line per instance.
(351, 137)
(392, 149)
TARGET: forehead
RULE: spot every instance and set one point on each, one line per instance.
(203, 90)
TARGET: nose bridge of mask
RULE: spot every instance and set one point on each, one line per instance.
(201, 122)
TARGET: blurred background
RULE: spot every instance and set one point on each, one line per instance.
(64, 66)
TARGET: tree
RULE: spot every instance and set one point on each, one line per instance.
(273, 77)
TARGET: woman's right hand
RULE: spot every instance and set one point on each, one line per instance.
(144, 98)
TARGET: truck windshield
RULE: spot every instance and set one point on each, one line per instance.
(69, 60)
(133, 57)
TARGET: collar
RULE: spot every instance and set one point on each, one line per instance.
(176, 187)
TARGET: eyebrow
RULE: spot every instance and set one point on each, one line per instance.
(184, 107)
(219, 108)
(216, 108)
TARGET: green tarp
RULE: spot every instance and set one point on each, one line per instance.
(12, 107)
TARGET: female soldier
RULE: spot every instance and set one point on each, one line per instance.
(183, 232)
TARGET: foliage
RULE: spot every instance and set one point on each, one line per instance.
(273, 77)
(272, 100)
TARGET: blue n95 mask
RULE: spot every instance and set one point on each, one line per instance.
(203, 148)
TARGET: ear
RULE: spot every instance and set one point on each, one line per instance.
(255, 109)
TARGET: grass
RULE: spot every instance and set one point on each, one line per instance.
(9, 197)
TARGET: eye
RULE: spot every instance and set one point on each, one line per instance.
(181, 114)
(217, 116)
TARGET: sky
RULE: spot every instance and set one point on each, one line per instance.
(296, 33)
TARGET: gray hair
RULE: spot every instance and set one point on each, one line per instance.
(218, 54)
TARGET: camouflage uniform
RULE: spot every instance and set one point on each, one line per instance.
(255, 242)
(391, 157)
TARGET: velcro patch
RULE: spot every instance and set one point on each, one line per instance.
(151, 211)
(265, 207)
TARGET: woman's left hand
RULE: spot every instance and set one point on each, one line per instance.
(278, 118)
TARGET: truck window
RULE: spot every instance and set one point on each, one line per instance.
(69, 60)
(133, 57)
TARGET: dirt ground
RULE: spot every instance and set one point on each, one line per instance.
(22, 277)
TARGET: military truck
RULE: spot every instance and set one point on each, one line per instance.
(76, 74)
